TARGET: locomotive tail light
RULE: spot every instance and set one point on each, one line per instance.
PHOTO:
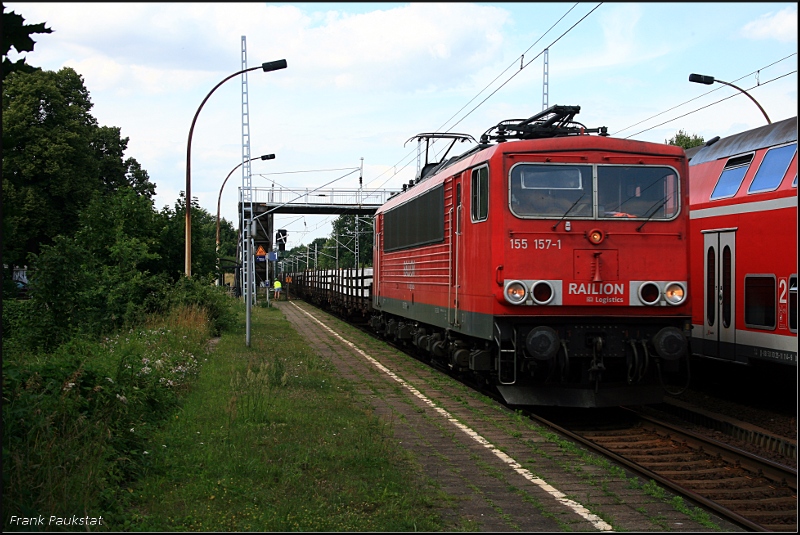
(674, 293)
(515, 292)
(596, 236)
(542, 343)
(670, 343)
(542, 293)
(649, 293)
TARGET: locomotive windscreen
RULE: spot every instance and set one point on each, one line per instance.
(420, 221)
(594, 191)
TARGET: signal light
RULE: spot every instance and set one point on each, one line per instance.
(596, 236)
(649, 293)
(542, 293)
(280, 239)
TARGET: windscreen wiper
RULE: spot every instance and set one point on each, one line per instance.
(568, 211)
(657, 208)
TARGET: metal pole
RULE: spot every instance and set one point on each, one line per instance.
(268, 66)
(246, 279)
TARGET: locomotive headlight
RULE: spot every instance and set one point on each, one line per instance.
(649, 293)
(674, 293)
(515, 292)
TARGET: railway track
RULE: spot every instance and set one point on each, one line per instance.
(753, 492)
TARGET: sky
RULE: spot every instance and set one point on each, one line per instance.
(363, 78)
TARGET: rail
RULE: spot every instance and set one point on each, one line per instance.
(755, 493)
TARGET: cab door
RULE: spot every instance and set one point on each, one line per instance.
(719, 303)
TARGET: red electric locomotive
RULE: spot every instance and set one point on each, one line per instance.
(743, 209)
(553, 264)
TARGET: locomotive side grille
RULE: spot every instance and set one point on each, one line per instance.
(420, 221)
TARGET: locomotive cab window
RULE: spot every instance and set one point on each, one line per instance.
(637, 192)
(551, 190)
(480, 194)
(773, 168)
(759, 301)
(731, 178)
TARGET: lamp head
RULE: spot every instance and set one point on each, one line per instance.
(274, 65)
(701, 79)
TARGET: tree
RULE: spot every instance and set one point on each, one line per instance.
(172, 240)
(344, 238)
(55, 158)
(684, 140)
(17, 34)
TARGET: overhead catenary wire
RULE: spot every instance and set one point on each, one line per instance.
(522, 67)
(717, 88)
(737, 94)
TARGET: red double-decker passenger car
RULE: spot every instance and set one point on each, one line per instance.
(744, 247)
(549, 262)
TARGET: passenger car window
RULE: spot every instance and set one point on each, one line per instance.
(731, 177)
(759, 301)
(793, 303)
(773, 168)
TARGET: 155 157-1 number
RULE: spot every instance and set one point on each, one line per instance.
(522, 243)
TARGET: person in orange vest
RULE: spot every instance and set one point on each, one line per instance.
(277, 287)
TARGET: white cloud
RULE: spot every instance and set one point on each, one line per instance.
(781, 26)
(622, 44)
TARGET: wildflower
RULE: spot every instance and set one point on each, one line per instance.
(69, 386)
(146, 452)
(132, 428)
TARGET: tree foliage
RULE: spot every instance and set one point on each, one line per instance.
(684, 140)
(56, 159)
(343, 239)
(17, 34)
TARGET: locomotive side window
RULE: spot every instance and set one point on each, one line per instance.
(480, 194)
(773, 168)
(793, 303)
(731, 177)
(420, 221)
(759, 301)
(637, 192)
(551, 190)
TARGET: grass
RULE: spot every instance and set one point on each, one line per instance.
(75, 421)
(271, 439)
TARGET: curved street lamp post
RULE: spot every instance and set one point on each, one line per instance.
(708, 80)
(219, 198)
(267, 67)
